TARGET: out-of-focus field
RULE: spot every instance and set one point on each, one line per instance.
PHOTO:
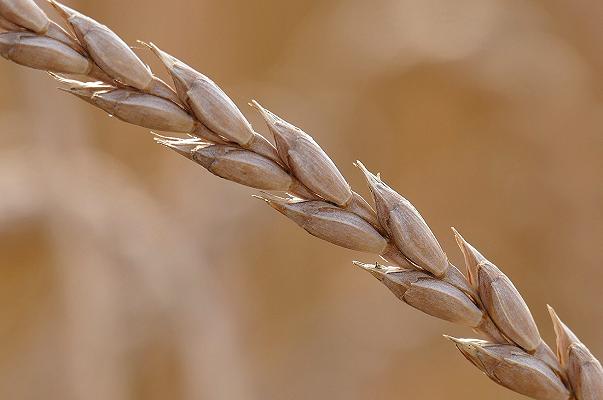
(128, 272)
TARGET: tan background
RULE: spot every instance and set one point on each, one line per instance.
(128, 272)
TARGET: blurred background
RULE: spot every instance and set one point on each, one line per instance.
(128, 272)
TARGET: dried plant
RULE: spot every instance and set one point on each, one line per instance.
(299, 180)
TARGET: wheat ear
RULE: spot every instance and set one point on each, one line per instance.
(298, 179)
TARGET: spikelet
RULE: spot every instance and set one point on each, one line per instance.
(406, 226)
(112, 55)
(432, 296)
(212, 106)
(307, 160)
(513, 368)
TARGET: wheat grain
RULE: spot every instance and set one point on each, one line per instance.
(26, 14)
(316, 195)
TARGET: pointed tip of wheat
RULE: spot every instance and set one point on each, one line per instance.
(184, 147)
(557, 324)
(74, 83)
(565, 335)
(54, 76)
(465, 343)
(269, 116)
(452, 338)
(188, 140)
(83, 90)
(269, 197)
(364, 266)
(465, 346)
(377, 270)
(279, 203)
(367, 174)
(178, 149)
(460, 241)
(273, 201)
(79, 92)
(374, 269)
(62, 9)
(371, 179)
(257, 106)
(166, 59)
(145, 44)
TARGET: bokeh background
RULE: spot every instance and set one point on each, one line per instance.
(128, 272)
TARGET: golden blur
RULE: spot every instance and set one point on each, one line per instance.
(128, 272)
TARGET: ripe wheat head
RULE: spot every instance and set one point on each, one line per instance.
(299, 180)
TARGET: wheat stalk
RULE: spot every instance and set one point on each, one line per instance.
(298, 179)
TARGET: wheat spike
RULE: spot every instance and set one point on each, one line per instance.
(308, 188)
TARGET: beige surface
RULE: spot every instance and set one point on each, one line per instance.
(130, 273)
